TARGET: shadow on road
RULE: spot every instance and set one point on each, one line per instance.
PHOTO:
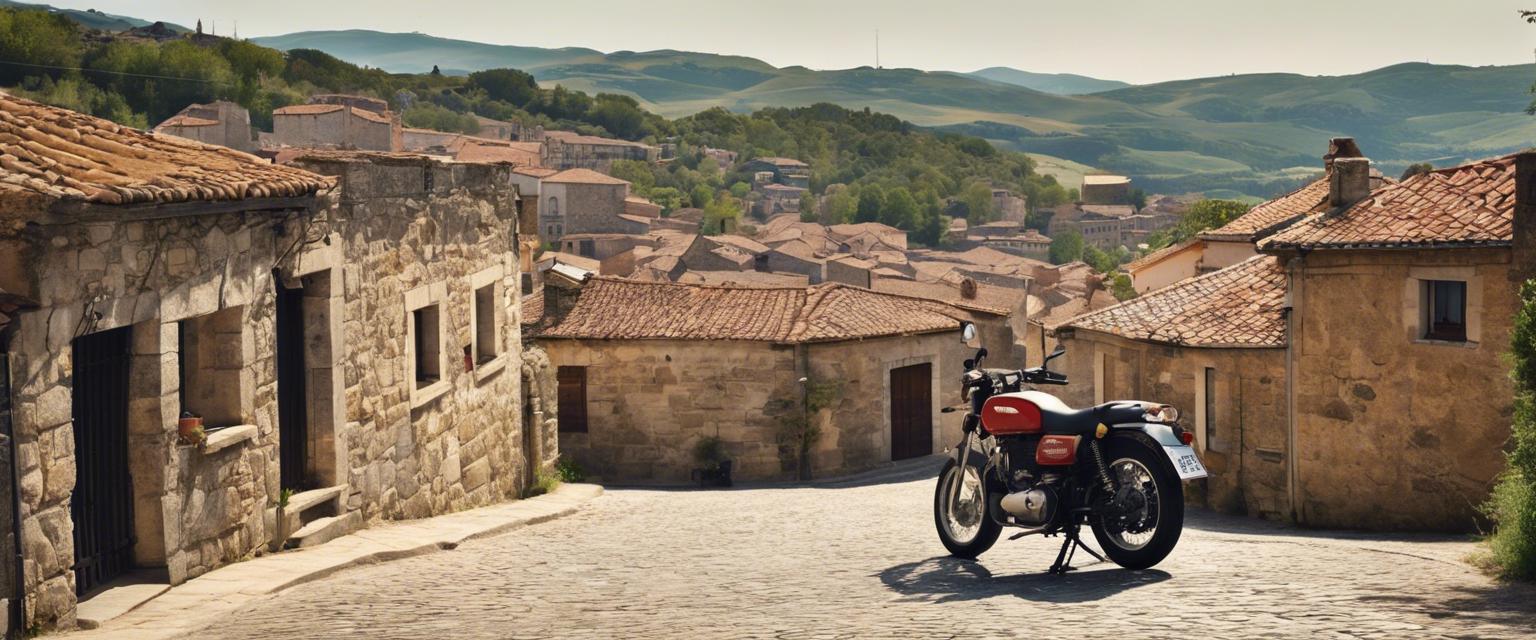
(946, 579)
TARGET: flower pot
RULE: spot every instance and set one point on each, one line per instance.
(190, 429)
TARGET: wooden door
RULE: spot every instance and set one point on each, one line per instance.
(912, 411)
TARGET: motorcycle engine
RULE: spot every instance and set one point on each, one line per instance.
(1031, 498)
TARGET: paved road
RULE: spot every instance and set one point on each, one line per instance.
(861, 560)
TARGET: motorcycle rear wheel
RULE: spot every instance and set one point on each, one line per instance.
(972, 533)
(1127, 458)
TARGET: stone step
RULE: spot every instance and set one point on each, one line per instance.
(323, 530)
(305, 500)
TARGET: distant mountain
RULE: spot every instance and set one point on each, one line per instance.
(91, 18)
(1066, 84)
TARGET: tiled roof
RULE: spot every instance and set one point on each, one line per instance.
(188, 121)
(1105, 179)
(64, 155)
(1160, 255)
(537, 172)
(781, 162)
(571, 137)
(306, 109)
(370, 116)
(1269, 217)
(744, 278)
(583, 176)
(533, 307)
(1469, 205)
(473, 152)
(616, 309)
(997, 300)
(1240, 306)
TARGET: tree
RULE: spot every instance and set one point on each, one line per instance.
(841, 208)
(1416, 169)
(506, 85)
(1122, 288)
(808, 207)
(1513, 505)
(619, 114)
(1206, 214)
(871, 202)
(978, 203)
(430, 116)
(900, 209)
(1066, 247)
(436, 71)
(740, 189)
(638, 174)
(701, 196)
(720, 216)
(669, 198)
(37, 38)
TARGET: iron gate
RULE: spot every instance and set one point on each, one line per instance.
(292, 412)
(102, 503)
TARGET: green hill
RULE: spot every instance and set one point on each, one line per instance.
(1067, 84)
(91, 18)
(1255, 133)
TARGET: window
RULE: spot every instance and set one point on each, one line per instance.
(1209, 415)
(554, 206)
(1445, 310)
(487, 325)
(572, 399)
(527, 284)
(588, 249)
(210, 358)
(428, 363)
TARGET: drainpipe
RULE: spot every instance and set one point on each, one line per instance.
(1294, 319)
(803, 365)
(16, 612)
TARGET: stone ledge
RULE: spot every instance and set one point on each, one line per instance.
(229, 437)
(424, 395)
(490, 368)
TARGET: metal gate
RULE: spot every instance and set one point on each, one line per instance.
(102, 503)
(292, 409)
(911, 411)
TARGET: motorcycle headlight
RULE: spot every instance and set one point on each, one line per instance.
(1161, 413)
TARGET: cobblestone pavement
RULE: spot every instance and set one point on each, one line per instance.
(861, 560)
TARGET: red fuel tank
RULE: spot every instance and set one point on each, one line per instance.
(1010, 414)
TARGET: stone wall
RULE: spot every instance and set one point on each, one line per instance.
(650, 401)
(193, 510)
(1392, 431)
(339, 129)
(412, 233)
(1244, 447)
(585, 208)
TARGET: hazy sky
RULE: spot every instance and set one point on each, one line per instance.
(1131, 40)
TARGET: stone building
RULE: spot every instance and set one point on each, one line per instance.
(314, 322)
(1009, 206)
(578, 201)
(647, 369)
(338, 124)
(1104, 189)
(570, 150)
(1213, 346)
(785, 171)
(221, 123)
(1401, 302)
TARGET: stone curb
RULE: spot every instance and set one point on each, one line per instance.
(202, 600)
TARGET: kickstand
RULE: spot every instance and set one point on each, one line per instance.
(1069, 547)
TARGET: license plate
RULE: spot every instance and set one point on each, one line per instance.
(1186, 462)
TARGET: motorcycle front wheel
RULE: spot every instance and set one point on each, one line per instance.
(965, 527)
(1148, 513)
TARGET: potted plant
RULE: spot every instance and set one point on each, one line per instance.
(714, 468)
(189, 428)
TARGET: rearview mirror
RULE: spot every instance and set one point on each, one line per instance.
(967, 333)
(1059, 352)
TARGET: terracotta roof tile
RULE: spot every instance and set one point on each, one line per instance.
(1268, 217)
(1468, 205)
(583, 176)
(370, 116)
(64, 155)
(187, 121)
(617, 309)
(1240, 306)
(306, 109)
(1160, 255)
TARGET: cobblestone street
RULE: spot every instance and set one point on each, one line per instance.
(861, 559)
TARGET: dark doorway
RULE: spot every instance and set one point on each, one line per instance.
(292, 397)
(102, 502)
(911, 411)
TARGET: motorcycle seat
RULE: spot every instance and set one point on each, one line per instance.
(1064, 421)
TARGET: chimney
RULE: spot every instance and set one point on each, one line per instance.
(1524, 266)
(1341, 148)
(1349, 182)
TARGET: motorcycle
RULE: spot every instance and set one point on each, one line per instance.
(1028, 461)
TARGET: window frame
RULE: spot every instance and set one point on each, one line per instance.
(433, 296)
(491, 280)
(1429, 299)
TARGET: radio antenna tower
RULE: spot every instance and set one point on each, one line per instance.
(877, 49)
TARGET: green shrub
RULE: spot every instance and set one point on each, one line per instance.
(709, 452)
(1513, 505)
(569, 471)
(543, 482)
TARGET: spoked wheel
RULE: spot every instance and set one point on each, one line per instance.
(1139, 525)
(964, 526)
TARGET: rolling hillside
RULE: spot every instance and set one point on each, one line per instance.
(1067, 84)
(1258, 134)
(91, 19)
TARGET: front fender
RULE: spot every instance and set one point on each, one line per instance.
(1181, 456)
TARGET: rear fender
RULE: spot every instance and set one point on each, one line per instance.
(1181, 457)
